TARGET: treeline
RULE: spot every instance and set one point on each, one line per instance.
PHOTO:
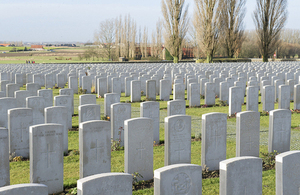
(215, 30)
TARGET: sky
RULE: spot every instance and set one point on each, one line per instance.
(77, 20)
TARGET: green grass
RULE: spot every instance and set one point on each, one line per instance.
(19, 171)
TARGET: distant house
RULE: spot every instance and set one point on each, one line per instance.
(4, 45)
(37, 47)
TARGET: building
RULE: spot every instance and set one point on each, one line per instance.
(36, 47)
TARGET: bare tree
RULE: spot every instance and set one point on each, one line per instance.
(269, 18)
(207, 25)
(105, 37)
(175, 25)
(233, 13)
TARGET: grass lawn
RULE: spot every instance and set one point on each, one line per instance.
(20, 170)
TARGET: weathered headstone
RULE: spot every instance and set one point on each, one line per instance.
(37, 104)
(87, 99)
(47, 94)
(109, 99)
(179, 91)
(247, 133)
(209, 94)
(59, 115)
(11, 88)
(138, 147)
(19, 121)
(235, 104)
(177, 139)
(32, 88)
(105, 183)
(70, 92)
(119, 113)
(268, 97)
(287, 173)
(249, 172)
(151, 90)
(178, 179)
(194, 98)
(213, 149)
(87, 84)
(4, 160)
(102, 86)
(25, 189)
(73, 84)
(176, 107)
(66, 101)
(135, 91)
(279, 130)
(46, 156)
(284, 97)
(297, 97)
(21, 96)
(94, 138)
(252, 99)
(164, 93)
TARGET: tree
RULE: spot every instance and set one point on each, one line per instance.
(269, 18)
(175, 25)
(105, 37)
(233, 13)
(207, 25)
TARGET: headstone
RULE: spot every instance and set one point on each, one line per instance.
(247, 133)
(66, 101)
(178, 179)
(3, 84)
(138, 147)
(127, 86)
(25, 189)
(150, 109)
(47, 94)
(284, 97)
(19, 121)
(46, 156)
(209, 94)
(105, 183)
(268, 98)
(179, 91)
(59, 115)
(70, 92)
(224, 92)
(73, 84)
(164, 93)
(4, 160)
(60, 80)
(249, 172)
(291, 83)
(109, 99)
(135, 91)
(252, 99)
(102, 86)
(235, 104)
(87, 84)
(38, 78)
(49, 81)
(116, 85)
(11, 88)
(279, 130)
(95, 155)
(297, 97)
(6, 104)
(32, 88)
(287, 173)
(119, 113)
(151, 90)
(37, 104)
(19, 79)
(277, 83)
(194, 98)
(214, 131)
(176, 107)
(177, 139)
(21, 96)
(87, 99)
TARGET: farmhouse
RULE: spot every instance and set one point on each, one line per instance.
(37, 47)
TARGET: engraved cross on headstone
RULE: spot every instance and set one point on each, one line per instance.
(215, 136)
(140, 149)
(22, 128)
(97, 147)
(249, 143)
(48, 153)
(179, 151)
(282, 133)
